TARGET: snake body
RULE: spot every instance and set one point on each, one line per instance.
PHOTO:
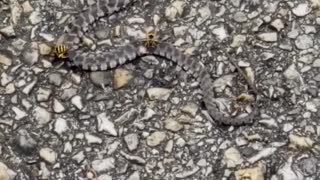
(86, 60)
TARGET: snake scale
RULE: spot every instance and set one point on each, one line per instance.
(86, 60)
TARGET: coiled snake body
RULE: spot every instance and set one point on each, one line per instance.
(90, 61)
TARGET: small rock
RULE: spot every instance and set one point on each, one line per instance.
(26, 6)
(308, 166)
(35, 17)
(121, 78)
(278, 24)
(60, 126)
(232, 157)
(9, 89)
(255, 173)
(43, 94)
(55, 79)
(132, 141)
(19, 113)
(187, 173)
(133, 159)
(77, 102)
(268, 37)
(103, 164)
(301, 10)
(134, 176)
(48, 155)
(221, 33)
(291, 73)
(29, 87)
(286, 171)
(79, 157)
(173, 125)
(159, 93)
(316, 63)
(25, 142)
(156, 138)
(57, 106)
(104, 177)
(5, 60)
(238, 40)
(4, 175)
(91, 139)
(44, 49)
(100, 78)
(30, 56)
(191, 109)
(307, 59)
(300, 142)
(174, 10)
(240, 17)
(8, 31)
(41, 115)
(304, 42)
(180, 30)
(104, 124)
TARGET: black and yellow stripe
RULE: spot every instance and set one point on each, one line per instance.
(61, 51)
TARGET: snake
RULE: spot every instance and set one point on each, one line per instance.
(89, 61)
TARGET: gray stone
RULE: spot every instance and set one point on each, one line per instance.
(304, 42)
(132, 141)
(268, 37)
(55, 79)
(240, 17)
(301, 9)
(101, 78)
(41, 115)
(308, 166)
(43, 94)
(25, 142)
(103, 165)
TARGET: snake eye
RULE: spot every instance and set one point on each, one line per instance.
(151, 36)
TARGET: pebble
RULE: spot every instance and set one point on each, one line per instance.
(287, 173)
(304, 42)
(41, 115)
(100, 78)
(191, 109)
(174, 10)
(133, 159)
(159, 93)
(238, 40)
(268, 37)
(16, 12)
(58, 106)
(132, 141)
(156, 138)
(5, 60)
(205, 14)
(104, 177)
(60, 126)
(291, 73)
(308, 166)
(255, 173)
(44, 49)
(307, 59)
(30, 56)
(77, 102)
(79, 157)
(316, 63)
(240, 17)
(262, 154)
(8, 31)
(4, 175)
(134, 176)
(35, 17)
(301, 9)
(9, 89)
(121, 78)
(300, 142)
(221, 33)
(27, 8)
(48, 155)
(278, 24)
(104, 124)
(180, 30)
(55, 79)
(25, 142)
(103, 165)
(172, 125)
(19, 113)
(232, 157)
(91, 139)
(43, 94)
(187, 173)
